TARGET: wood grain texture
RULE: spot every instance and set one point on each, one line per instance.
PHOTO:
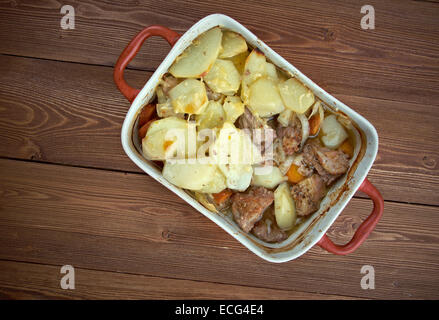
(74, 116)
(128, 223)
(396, 61)
(20, 280)
(129, 237)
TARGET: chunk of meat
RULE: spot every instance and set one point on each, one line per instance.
(307, 195)
(333, 161)
(329, 164)
(267, 229)
(265, 137)
(248, 207)
(303, 168)
(290, 137)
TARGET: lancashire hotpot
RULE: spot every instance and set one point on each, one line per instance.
(313, 230)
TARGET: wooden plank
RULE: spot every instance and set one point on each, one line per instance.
(128, 223)
(72, 114)
(396, 61)
(20, 280)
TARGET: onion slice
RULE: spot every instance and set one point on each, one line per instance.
(317, 108)
(305, 128)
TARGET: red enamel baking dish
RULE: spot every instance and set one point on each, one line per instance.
(313, 230)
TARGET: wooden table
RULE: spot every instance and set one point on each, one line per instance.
(70, 196)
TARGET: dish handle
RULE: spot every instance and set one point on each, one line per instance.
(364, 229)
(130, 52)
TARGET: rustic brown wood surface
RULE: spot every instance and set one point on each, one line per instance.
(69, 194)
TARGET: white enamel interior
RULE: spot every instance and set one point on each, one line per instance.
(321, 225)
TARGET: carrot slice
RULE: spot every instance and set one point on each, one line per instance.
(222, 196)
(293, 174)
(347, 148)
(146, 114)
(314, 124)
(144, 128)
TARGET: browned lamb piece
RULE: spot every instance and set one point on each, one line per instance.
(307, 195)
(248, 207)
(291, 137)
(267, 229)
(251, 122)
(329, 164)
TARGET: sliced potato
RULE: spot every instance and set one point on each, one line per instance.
(333, 133)
(213, 116)
(164, 107)
(164, 137)
(239, 61)
(268, 177)
(161, 97)
(296, 96)
(285, 117)
(235, 153)
(223, 77)
(233, 108)
(165, 110)
(194, 176)
(198, 58)
(234, 146)
(238, 176)
(217, 182)
(255, 68)
(284, 207)
(271, 72)
(264, 98)
(189, 96)
(232, 44)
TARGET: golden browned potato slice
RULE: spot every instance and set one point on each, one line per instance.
(213, 116)
(271, 72)
(235, 153)
(239, 61)
(269, 178)
(162, 137)
(232, 44)
(189, 96)
(198, 58)
(295, 95)
(255, 68)
(264, 98)
(223, 77)
(195, 176)
(233, 107)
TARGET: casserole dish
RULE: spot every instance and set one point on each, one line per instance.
(311, 231)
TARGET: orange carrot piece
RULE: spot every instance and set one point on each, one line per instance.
(222, 196)
(314, 124)
(347, 148)
(146, 114)
(293, 174)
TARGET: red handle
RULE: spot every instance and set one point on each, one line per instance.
(364, 229)
(130, 52)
